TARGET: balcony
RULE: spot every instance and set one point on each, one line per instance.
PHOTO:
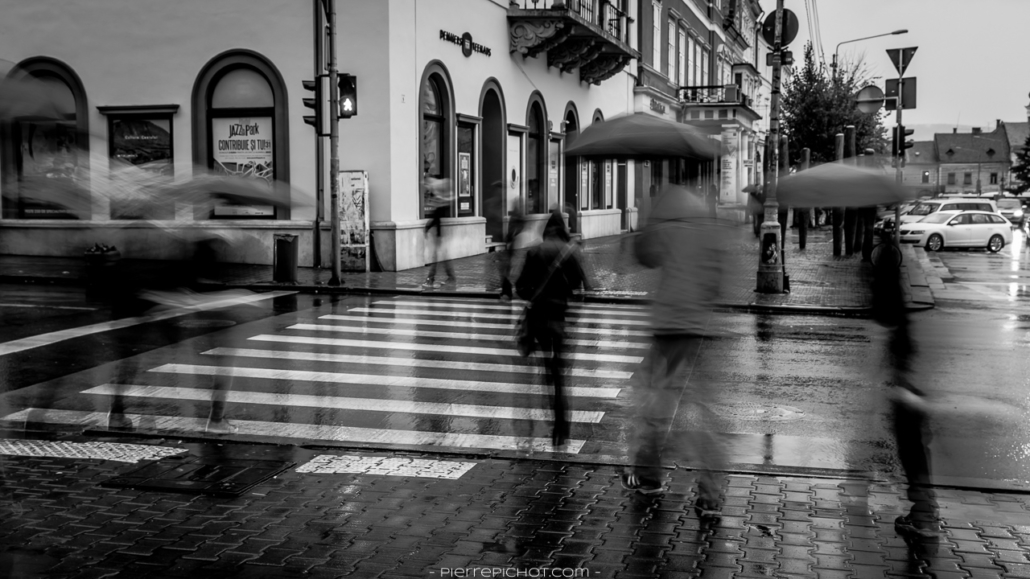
(715, 102)
(591, 35)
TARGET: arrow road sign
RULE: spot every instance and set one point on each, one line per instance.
(901, 57)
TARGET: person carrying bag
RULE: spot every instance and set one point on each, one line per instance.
(552, 272)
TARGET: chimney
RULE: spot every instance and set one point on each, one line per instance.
(997, 124)
(976, 130)
(954, 131)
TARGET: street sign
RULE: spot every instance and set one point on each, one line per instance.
(869, 99)
(901, 57)
(787, 59)
(908, 97)
(787, 34)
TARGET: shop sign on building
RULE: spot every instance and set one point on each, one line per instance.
(465, 42)
(242, 146)
(657, 107)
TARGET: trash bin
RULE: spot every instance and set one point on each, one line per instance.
(284, 259)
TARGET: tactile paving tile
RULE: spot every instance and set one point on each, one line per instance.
(381, 465)
(87, 450)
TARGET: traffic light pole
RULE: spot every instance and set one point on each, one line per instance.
(334, 147)
(899, 175)
(770, 263)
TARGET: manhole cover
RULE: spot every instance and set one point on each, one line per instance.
(752, 411)
(221, 477)
(206, 323)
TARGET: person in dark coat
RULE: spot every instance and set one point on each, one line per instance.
(552, 272)
(908, 405)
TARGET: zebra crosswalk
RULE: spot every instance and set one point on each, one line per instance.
(407, 372)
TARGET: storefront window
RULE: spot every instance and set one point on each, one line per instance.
(242, 135)
(434, 135)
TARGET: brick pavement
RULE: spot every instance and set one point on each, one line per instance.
(60, 522)
(819, 281)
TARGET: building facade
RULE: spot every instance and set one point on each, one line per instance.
(972, 163)
(482, 92)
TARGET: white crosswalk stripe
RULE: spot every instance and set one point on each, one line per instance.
(343, 403)
(612, 332)
(375, 379)
(615, 358)
(410, 372)
(454, 335)
(597, 321)
(456, 365)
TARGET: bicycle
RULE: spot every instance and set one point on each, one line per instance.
(886, 252)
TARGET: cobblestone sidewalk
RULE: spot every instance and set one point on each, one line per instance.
(501, 514)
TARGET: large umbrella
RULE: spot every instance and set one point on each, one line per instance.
(25, 96)
(642, 136)
(840, 185)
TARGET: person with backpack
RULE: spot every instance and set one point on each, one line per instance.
(552, 271)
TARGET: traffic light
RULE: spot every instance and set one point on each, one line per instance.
(348, 85)
(319, 103)
(903, 143)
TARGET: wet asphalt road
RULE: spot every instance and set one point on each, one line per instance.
(795, 392)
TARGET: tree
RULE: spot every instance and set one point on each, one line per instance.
(1019, 182)
(816, 107)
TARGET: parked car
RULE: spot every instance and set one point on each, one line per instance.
(931, 206)
(1011, 209)
(959, 229)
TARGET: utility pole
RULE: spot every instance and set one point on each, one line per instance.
(334, 146)
(770, 264)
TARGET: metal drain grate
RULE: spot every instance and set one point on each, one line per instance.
(211, 476)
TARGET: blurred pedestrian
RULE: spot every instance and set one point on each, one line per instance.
(712, 199)
(516, 223)
(438, 204)
(756, 206)
(691, 250)
(552, 272)
(908, 405)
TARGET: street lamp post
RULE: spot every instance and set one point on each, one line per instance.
(834, 64)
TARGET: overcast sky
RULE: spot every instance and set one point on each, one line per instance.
(973, 61)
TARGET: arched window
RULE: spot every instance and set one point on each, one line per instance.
(536, 159)
(240, 127)
(436, 141)
(45, 152)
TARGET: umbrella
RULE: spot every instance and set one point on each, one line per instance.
(642, 135)
(839, 185)
(23, 95)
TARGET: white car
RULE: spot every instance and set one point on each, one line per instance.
(959, 229)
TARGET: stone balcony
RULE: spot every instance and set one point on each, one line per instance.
(589, 35)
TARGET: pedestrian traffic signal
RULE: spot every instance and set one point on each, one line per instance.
(319, 103)
(348, 85)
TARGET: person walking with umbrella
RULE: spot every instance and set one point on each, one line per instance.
(438, 204)
(690, 248)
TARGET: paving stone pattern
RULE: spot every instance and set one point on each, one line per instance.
(502, 514)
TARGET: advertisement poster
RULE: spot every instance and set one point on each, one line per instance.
(242, 146)
(584, 185)
(552, 173)
(354, 237)
(464, 182)
(608, 184)
(141, 154)
(514, 170)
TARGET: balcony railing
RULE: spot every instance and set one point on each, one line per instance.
(600, 13)
(715, 94)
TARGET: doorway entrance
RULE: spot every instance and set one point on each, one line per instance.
(572, 175)
(494, 142)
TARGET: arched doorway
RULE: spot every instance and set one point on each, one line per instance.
(572, 171)
(240, 96)
(45, 152)
(494, 143)
(436, 131)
